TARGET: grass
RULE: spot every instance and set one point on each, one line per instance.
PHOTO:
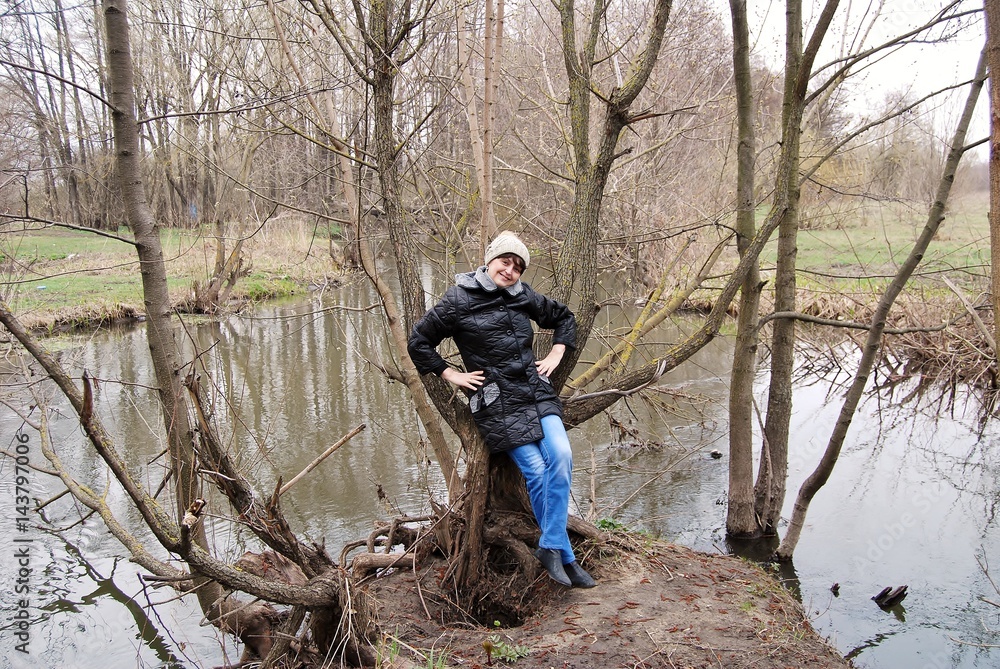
(389, 650)
(56, 276)
(873, 240)
(846, 259)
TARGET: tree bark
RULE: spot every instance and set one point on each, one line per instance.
(577, 263)
(818, 478)
(741, 520)
(992, 8)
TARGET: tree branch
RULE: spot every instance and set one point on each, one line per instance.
(68, 82)
(843, 324)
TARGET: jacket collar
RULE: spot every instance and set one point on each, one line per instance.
(480, 279)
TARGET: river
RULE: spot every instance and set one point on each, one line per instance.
(912, 500)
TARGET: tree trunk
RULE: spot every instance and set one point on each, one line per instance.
(741, 520)
(818, 478)
(577, 262)
(770, 486)
(481, 130)
(468, 91)
(162, 347)
(773, 467)
(993, 59)
(491, 47)
(384, 70)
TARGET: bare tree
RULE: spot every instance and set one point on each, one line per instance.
(818, 478)
(306, 578)
(481, 127)
(798, 69)
(741, 516)
(792, 170)
(992, 8)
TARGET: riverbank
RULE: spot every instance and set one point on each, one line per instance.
(661, 606)
(55, 278)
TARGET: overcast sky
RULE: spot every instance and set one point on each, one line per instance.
(917, 69)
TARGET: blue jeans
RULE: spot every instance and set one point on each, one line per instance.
(547, 466)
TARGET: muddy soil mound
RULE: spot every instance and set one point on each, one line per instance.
(665, 606)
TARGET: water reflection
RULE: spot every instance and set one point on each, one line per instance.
(912, 500)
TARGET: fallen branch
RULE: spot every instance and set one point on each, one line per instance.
(364, 564)
(983, 330)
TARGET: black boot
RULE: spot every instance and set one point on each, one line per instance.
(578, 576)
(551, 559)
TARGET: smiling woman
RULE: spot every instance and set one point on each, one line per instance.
(489, 313)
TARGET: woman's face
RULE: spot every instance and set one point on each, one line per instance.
(505, 270)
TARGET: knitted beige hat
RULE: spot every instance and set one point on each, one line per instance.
(507, 242)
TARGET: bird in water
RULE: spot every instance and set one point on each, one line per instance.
(888, 598)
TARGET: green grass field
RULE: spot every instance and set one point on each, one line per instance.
(863, 249)
(57, 275)
(65, 276)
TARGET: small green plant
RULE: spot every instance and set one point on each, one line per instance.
(387, 652)
(440, 662)
(611, 525)
(498, 649)
(747, 606)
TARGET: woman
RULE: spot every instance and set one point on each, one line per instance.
(488, 313)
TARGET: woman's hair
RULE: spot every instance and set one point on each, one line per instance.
(518, 260)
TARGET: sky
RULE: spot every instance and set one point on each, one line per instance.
(918, 69)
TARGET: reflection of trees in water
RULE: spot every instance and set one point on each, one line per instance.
(162, 643)
(943, 422)
(943, 375)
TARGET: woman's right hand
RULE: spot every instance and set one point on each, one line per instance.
(470, 380)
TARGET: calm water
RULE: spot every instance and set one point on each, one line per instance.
(912, 500)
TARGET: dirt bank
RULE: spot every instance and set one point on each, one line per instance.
(666, 607)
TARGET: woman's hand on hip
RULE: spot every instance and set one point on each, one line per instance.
(470, 380)
(548, 364)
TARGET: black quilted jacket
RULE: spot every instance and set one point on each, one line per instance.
(493, 332)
